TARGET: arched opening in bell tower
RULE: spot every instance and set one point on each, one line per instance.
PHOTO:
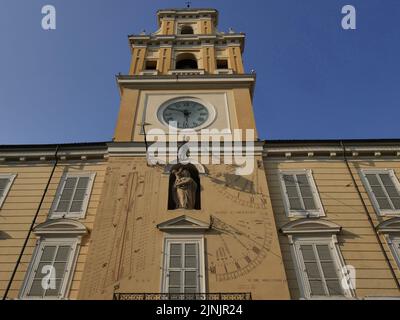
(187, 30)
(186, 61)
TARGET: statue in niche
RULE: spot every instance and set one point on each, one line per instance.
(184, 188)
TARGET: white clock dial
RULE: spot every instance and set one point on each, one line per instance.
(186, 114)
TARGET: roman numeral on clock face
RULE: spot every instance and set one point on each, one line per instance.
(186, 114)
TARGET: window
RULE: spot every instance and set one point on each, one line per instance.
(183, 266)
(73, 195)
(222, 64)
(391, 230)
(6, 180)
(50, 271)
(383, 189)
(395, 246)
(300, 194)
(151, 65)
(319, 268)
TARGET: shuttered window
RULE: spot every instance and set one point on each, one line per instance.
(300, 194)
(396, 249)
(183, 270)
(321, 270)
(73, 195)
(6, 181)
(183, 267)
(51, 270)
(383, 188)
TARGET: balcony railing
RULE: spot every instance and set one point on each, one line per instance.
(186, 72)
(183, 296)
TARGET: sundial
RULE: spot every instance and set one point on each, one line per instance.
(241, 190)
(241, 246)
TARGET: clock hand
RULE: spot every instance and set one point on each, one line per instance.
(176, 110)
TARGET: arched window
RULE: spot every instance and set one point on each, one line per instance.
(184, 188)
(187, 30)
(186, 61)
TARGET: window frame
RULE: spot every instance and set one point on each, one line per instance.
(301, 273)
(394, 244)
(11, 177)
(74, 242)
(72, 215)
(320, 212)
(220, 60)
(371, 195)
(183, 239)
(148, 61)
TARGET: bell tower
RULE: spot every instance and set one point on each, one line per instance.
(185, 229)
(186, 64)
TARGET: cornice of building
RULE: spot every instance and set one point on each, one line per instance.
(278, 150)
(376, 149)
(47, 152)
(218, 39)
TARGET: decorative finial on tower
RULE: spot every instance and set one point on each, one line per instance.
(188, 4)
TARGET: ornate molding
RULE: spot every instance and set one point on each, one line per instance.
(60, 227)
(311, 226)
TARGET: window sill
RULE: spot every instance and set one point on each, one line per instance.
(67, 216)
(329, 298)
(149, 73)
(223, 71)
(306, 214)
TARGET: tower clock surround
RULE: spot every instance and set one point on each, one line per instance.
(187, 113)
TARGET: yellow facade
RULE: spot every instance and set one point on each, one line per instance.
(343, 204)
(33, 192)
(107, 207)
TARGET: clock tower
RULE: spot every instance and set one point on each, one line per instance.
(178, 228)
(187, 73)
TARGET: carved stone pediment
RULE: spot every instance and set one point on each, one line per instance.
(183, 223)
(60, 227)
(304, 226)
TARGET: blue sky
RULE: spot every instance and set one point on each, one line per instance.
(315, 80)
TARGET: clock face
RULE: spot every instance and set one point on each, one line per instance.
(186, 114)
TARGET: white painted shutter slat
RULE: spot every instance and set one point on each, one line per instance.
(306, 192)
(292, 192)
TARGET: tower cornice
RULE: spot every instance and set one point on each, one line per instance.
(188, 81)
(200, 39)
(196, 12)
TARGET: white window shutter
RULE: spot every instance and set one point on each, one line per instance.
(6, 180)
(73, 195)
(384, 190)
(292, 192)
(183, 267)
(3, 184)
(52, 260)
(321, 271)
